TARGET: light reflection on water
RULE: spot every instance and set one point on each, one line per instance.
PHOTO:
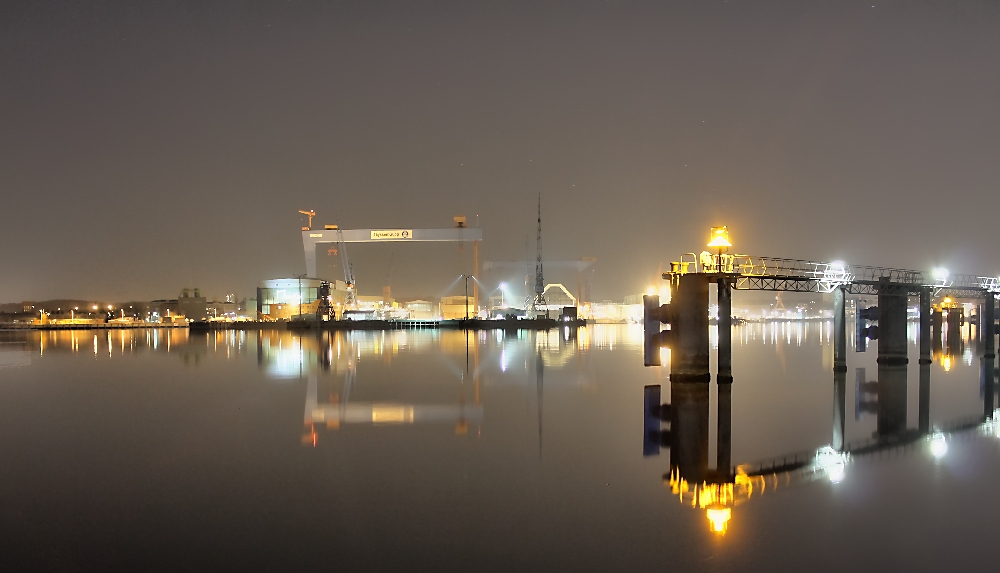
(553, 415)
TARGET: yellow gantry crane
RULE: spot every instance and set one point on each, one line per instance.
(309, 214)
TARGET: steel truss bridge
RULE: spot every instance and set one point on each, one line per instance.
(775, 274)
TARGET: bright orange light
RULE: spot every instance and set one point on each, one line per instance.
(719, 238)
(719, 518)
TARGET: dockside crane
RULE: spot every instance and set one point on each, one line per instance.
(345, 261)
(310, 213)
(348, 271)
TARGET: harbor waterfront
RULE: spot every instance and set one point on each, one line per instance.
(487, 450)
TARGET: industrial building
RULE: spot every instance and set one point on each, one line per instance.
(300, 297)
(457, 307)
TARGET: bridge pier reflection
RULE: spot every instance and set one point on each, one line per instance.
(924, 399)
(839, 409)
(891, 399)
(689, 414)
(683, 427)
(724, 439)
(687, 432)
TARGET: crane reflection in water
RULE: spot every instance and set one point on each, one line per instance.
(329, 362)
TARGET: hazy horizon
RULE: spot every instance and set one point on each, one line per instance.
(150, 147)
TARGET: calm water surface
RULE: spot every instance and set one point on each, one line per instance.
(163, 450)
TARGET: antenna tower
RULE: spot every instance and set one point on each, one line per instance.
(539, 299)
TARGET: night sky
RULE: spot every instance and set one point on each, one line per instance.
(151, 146)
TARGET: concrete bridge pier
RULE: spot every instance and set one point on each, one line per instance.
(954, 337)
(987, 327)
(978, 325)
(925, 326)
(839, 330)
(689, 357)
(725, 375)
(937, 328)
(891, 324)
(652, 334)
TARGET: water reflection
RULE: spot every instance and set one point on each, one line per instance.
(451, 386)
(681, 425)
(330, 361)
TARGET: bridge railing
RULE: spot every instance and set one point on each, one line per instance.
(825, 276)
(898, 276)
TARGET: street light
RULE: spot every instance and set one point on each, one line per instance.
(466, 277)
(940, 275)
(719, 239)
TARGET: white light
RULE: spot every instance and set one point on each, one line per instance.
(836, 473)
(939, 446)
(503, 286)
(940, 274)
(832, 463)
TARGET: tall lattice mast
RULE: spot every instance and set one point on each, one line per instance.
(539, 299)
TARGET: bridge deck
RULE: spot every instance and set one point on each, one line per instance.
(794, 275)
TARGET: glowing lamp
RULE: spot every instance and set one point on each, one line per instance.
(718, 518)
(940, 274)
(719, 238)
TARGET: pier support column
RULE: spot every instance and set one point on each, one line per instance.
(725, 375)
(954, 341)
(651, 329)
(987, 326)
(925, 326)
(978, 339)
(891, 324)
(937, 329)
(839, 408)
(839, 330)
(689, 351)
